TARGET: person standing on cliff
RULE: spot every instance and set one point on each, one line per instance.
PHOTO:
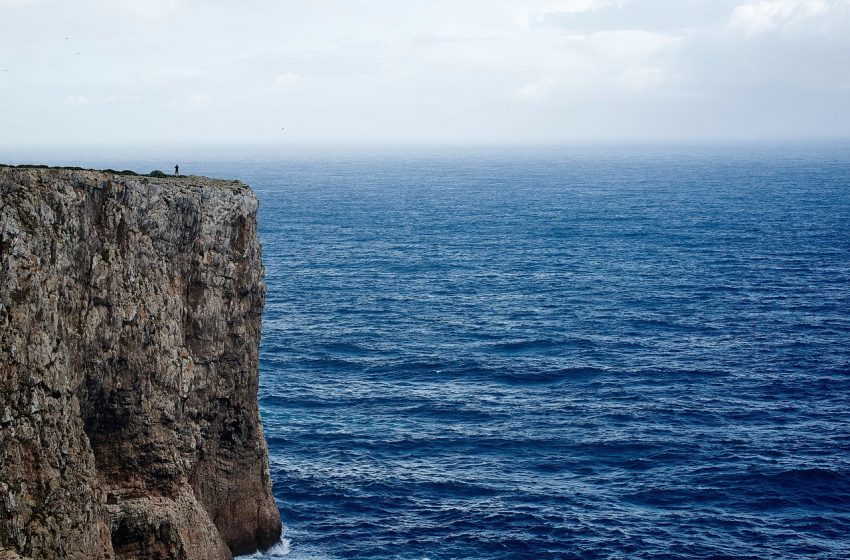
(176, 170)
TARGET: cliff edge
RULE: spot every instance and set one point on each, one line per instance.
(130, 315)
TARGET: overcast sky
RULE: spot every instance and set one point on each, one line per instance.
(416, 71)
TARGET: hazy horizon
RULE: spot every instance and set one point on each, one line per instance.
(371, 73)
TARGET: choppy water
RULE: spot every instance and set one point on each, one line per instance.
(574, 353)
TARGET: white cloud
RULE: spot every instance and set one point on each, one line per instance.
(538, 11)
(76, 100)
(641, 78)
(193, 102)
(769, 15)
(143, 10)
(631, 44)
(121, 99)
(176, 72)
(19, 3)
(537, 90)
(286, 81)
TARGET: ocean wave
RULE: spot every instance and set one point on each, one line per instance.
(279, 550)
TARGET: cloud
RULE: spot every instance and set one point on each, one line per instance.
(143, 10)
(121, 99)
(286, 81)
(176, 72)
(192, 102)
(631, 44)
(641, 78)
(18, 3)
(537, 90)
(536, 12)
(76, 100)
(769, 15)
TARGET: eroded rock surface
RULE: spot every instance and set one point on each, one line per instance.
(129, 326)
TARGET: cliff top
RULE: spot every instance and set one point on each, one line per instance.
(155, 177)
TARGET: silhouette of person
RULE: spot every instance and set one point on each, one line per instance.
(176, 170)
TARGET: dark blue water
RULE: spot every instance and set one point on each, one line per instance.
(572, 353)
(561, 354)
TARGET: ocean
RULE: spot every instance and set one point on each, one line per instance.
(555, 353)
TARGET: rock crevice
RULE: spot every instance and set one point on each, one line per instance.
(130, 316)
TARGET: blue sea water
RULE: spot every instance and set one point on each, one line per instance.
(564, 353)
(559, 353)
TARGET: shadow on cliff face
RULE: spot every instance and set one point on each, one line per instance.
(132, 540)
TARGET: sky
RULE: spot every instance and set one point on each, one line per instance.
(217, 72)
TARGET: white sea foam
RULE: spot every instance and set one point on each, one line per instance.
(284, 548)
(279, 550)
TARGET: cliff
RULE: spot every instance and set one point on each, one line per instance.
(130, 315)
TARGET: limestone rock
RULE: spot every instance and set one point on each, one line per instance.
(130, 315)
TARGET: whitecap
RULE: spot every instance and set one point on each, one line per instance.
(279, 550)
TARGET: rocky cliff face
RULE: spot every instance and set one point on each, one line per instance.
(129, 326)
